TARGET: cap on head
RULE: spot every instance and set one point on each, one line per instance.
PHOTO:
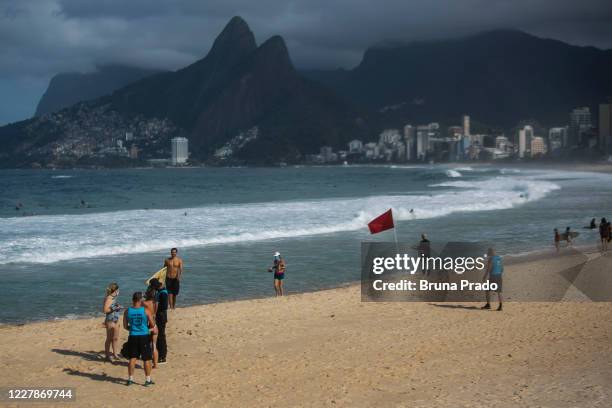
(277, 253)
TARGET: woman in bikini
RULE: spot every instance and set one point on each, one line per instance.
(111, 310)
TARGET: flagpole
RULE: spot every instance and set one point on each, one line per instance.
(395, 235)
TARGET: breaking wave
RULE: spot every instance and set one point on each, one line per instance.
(55, 238)
(453, 173)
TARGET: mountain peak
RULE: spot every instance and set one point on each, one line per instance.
(275, 50)
(237, 25)
(235, 37)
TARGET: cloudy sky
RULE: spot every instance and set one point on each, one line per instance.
(39, 38)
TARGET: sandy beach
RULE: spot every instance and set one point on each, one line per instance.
(328, 348)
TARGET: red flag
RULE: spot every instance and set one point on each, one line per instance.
(381, 223)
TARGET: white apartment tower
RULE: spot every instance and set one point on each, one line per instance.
(180, 151)
(525, 136)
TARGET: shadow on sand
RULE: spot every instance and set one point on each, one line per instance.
(449, 306)
(89, 356)
(95, 377)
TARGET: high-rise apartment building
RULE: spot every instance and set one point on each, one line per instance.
(538, 147)
(466, 125)
(180, 151)
(605, 128)
(524, 144)
(580, 125)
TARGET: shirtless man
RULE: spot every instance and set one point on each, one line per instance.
(174, 266)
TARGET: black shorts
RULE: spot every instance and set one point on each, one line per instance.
(497, 279)
(173, 285)
(140, 347)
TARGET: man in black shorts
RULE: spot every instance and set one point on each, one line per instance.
(138, 320)
(174, 271)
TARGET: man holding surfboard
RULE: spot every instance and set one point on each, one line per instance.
(174, 270)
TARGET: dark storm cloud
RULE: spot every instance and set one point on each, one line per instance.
(42, 37)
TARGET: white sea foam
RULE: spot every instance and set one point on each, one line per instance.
(509, 171)
(453, 173)
(54, 238)
(513, 189)
(62, 176)
(400, 166)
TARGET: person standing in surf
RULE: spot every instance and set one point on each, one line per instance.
(174, 272)
(604, 233)
(557, 239)
(493, 273)
(424, 249)
(279, 269)
(111, 309)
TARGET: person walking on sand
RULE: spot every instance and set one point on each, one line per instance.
(174, 273)
(493, 273)
(138, 321)
(557, 239)
(161, 318)
(604, 233)
(150, 305)
(424, 249)
(279, 269)
(111, 310)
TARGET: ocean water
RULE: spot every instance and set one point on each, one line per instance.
(57, 254)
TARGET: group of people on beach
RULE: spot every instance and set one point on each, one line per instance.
(145, 319)
(492, 273)
(566, 236)
(605, 234)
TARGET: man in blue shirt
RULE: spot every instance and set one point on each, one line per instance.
(493, 273)
(138, 321)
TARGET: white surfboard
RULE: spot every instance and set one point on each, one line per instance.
(160, 275)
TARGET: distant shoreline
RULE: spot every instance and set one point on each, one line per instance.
(599, 167)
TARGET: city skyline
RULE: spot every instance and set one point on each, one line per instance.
(422, 143)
